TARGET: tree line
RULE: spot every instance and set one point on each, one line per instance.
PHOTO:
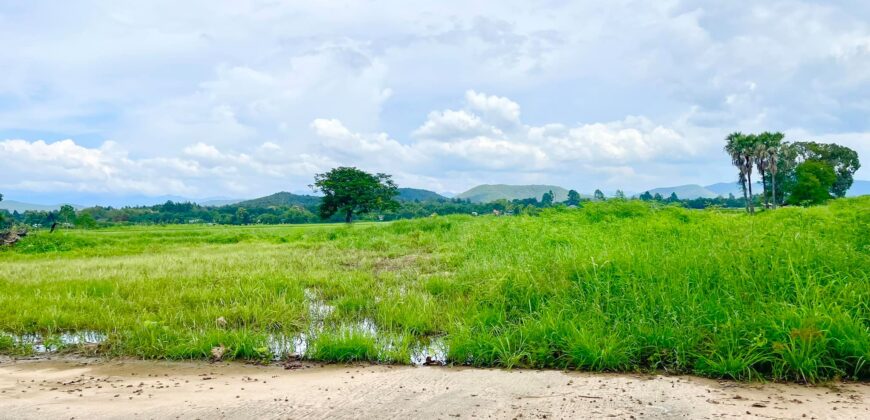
(797, 173)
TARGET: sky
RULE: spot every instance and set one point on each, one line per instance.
(242, 99)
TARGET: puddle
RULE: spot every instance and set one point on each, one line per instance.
(282, 346)
(426, 352)
(318, 310)
(53, 343)
(432, 353)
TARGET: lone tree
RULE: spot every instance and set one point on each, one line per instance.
(547, 199)
(573, 198)
(598, 195)
(351, 191)
(67, 213)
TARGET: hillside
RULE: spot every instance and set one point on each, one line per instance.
(218, 202)
(412, 194)
(282, 198)
(486, 193)
(725, 188)
(690, 191)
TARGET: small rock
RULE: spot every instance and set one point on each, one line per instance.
(218, 352)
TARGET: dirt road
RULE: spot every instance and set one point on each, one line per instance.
(86, 388)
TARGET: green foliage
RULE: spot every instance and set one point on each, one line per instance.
(598, 195)
(86, 221)
(778, 162)
(67, 214)
(843, 160)
(573, 198)
(621, 285)
(350, 191)
(814, 181)
(547, 199)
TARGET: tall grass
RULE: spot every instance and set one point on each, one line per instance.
(614, 286)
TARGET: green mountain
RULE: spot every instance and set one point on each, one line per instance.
(412, 194)
(487, 193)
(281, 199)
(690, 191)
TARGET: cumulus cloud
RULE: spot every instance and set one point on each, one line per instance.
(488, 135)
(202, 170)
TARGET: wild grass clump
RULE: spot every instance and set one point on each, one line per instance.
(612, 286)
(346, 345)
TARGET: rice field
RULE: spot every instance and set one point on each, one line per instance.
(612, 286)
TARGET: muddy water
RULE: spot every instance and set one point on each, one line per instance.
(42, 344)
(67, 388)
(426, 351)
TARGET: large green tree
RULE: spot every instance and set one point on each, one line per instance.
(814, 180)
(842, 159)
(350, 191)
(67, 214)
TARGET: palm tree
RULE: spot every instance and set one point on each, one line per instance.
(747, 148)
(761, 158)
(734, 147)
(766, 150)
(773, 146)
(771, 167)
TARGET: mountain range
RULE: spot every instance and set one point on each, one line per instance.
(486, 193)
(692, 191)
(478, 194)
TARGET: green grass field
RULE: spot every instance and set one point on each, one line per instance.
(617, 286)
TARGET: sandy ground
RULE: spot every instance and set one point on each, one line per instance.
(89, 388)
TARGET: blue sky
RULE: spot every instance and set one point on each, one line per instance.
(241, 99)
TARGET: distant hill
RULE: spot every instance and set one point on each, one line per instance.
(281, 199)
(487, 193)
(690, 191)
(218, 202)
(725, 188)
(859, 187)
(411, 194)
(20, 207)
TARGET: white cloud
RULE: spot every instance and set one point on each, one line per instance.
(497, 110)
(220, 97)
(461, 140)
(203, 170)
(449, 124)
